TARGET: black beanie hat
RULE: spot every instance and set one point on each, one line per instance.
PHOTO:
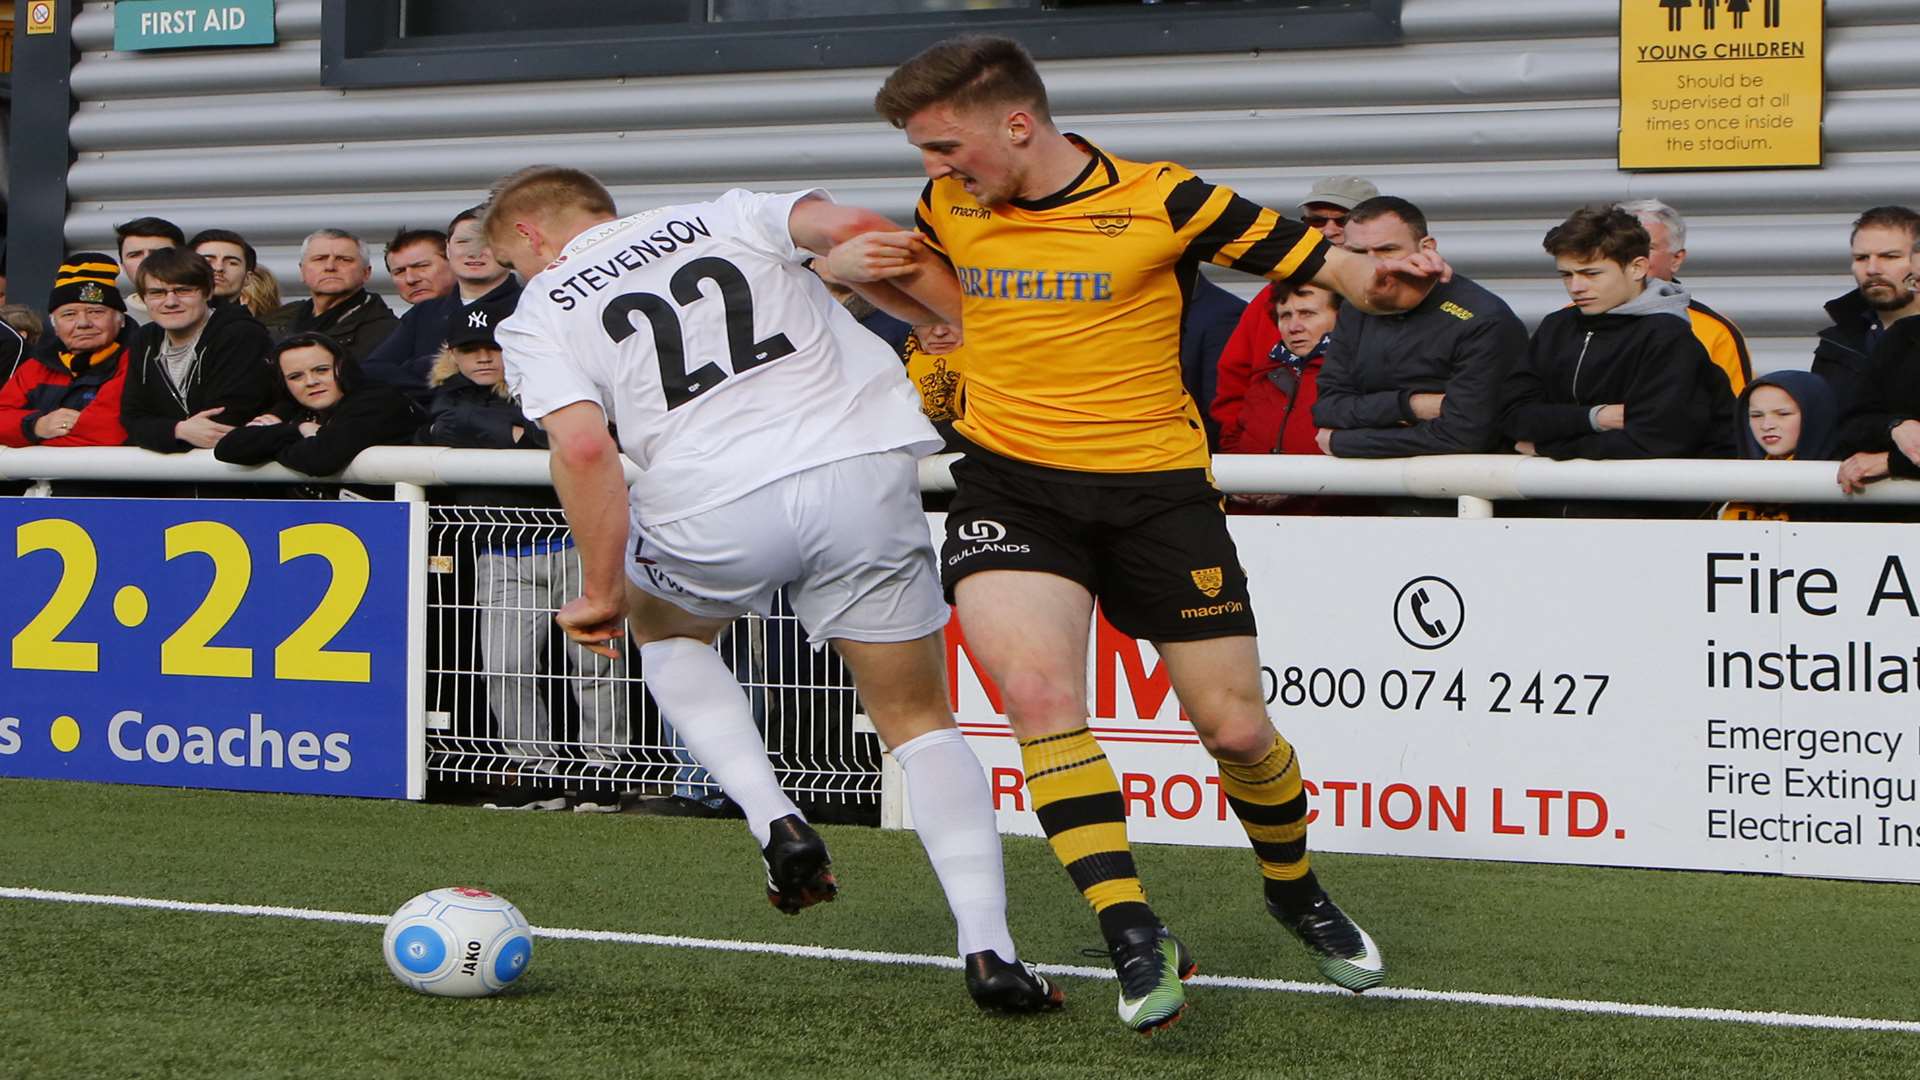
(87, 278)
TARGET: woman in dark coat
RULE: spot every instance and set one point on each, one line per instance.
(324, 415)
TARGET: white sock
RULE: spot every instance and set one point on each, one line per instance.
(953, 812)
(705, 704)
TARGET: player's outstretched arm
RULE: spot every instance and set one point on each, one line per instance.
(1378, 286)
(889, 266)
(593, 491)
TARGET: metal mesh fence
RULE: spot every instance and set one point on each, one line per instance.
(511, 703)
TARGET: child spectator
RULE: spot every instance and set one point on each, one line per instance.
(324, 416)
(471, 406)
(1785, 416)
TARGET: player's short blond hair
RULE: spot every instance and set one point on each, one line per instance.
(541, 190)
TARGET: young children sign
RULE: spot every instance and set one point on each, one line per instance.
(1720, 84)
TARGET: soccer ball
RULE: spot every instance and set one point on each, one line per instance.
(458, 942)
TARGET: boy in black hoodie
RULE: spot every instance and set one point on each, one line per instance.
(196, 371)
(1619, 374)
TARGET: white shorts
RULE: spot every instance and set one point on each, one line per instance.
(847, 539)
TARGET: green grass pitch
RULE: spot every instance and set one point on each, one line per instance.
(89, 991)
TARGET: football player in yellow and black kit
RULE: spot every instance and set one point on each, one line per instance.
(1086, 470)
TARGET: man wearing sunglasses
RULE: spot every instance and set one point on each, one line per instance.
(1326, 207)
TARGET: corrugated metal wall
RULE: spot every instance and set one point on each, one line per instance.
(1496, 117)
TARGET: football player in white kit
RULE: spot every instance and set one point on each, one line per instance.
(777, 444)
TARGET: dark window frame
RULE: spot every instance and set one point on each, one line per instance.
(362, 46)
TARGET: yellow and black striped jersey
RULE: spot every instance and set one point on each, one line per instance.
(1073, 305)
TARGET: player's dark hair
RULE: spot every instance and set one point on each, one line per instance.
(407, 237)
(175, 266)
(963, 72)
(1604, 231)
(1384, 205)
(147, 226)
(226, 236)
(543, 188)
(1889, 217)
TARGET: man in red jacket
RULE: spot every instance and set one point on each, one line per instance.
(68, 392)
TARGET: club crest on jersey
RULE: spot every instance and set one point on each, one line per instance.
(1111, 222)
(1208, 581)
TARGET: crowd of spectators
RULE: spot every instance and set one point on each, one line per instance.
(1635, 366)
(171, 345)
(196, 350)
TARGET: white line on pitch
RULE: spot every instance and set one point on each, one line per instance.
(868, 956)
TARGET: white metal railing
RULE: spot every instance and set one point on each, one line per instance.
(531, 714)
(1449, 476)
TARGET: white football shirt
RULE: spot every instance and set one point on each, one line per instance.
(723, 362)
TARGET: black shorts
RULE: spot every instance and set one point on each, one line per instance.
(1154, 552)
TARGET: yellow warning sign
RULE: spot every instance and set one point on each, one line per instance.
(1720, 84)
(40, 17)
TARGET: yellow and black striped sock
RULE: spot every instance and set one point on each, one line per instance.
(1272, 806)
(1077, 799)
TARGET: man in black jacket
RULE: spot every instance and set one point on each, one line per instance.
(333, 264)
(1620, 374)
(1884, 239)
(1427, 380)
(405, 359)
(1886, 419)
(196, 371)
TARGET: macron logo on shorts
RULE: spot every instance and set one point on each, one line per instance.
(984, 535)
